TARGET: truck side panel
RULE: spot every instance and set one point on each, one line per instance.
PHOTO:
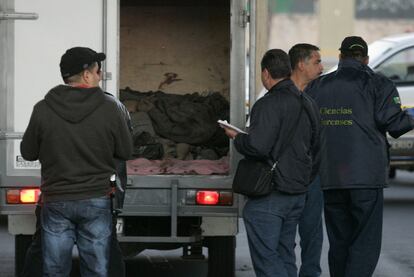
(31, 55)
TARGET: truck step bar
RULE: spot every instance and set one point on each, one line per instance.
(158, 239)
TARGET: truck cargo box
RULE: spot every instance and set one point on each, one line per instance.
(193, 49)
(175, 81)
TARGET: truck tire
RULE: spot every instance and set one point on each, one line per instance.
(221, 256)
(21, 244)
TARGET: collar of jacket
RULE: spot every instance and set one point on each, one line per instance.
(349, 62)
(282, 84)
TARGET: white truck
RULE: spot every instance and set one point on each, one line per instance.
(204, 42)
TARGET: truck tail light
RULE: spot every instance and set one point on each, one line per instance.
(23, 196)
(207, 197)
(214, 198)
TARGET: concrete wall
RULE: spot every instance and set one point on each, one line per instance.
(287, 30)
(175, 49)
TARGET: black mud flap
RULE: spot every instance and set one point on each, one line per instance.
(221, 256)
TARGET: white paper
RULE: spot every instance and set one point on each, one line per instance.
(228, 125)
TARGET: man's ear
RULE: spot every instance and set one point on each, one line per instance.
(301, 65)
(265, 77)
(265, 73)
(366, 60)
(86, 76)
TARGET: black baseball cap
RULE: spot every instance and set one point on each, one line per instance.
(354, 43)
(77, 59)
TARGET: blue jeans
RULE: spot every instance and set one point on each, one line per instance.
(271, 223)
(88, 223)
(354, 226)
(33, 266)
(311, 231)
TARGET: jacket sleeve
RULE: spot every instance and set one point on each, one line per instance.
(123, 138)
(125, 114)
(388, 114)
(123, 110)
(263, 130)
(30, 144)
(121, 168)
(316, 143)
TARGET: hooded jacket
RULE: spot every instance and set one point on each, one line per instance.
(358, 107)
(76, 133)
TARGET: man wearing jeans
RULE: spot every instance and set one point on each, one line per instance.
(76, 132)
(271, 220)
(33, 262)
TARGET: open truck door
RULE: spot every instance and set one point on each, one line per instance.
(34, 34)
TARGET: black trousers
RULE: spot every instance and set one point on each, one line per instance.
(33, 263)
(354, 225)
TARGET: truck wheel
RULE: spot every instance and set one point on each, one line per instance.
(21, 244)
(221, 256)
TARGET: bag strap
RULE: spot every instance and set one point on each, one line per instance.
(288, 138)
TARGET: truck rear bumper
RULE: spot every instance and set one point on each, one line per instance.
(163, 230)
(402, 160)
(19, 224)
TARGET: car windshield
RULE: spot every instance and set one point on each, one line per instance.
(378, 48)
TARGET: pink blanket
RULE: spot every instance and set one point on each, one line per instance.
(173, 166)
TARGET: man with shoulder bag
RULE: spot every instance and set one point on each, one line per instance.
(282, 132)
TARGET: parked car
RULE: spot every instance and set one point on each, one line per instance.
(393, 56)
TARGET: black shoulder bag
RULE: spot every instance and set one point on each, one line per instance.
(254, 178)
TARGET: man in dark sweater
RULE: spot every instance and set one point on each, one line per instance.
(77, 132)
(34, 258)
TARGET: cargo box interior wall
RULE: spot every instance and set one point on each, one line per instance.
(174, 80)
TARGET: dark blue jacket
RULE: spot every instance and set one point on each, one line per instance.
(357, 107)
(272, 119)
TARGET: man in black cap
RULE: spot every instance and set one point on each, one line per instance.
(77, 132)
(358, 107)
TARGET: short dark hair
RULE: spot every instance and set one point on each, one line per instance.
(277, 63)
(301, 52)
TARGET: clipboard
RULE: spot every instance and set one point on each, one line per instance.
(228, 125)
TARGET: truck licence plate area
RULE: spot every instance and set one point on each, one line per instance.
(156, 226)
